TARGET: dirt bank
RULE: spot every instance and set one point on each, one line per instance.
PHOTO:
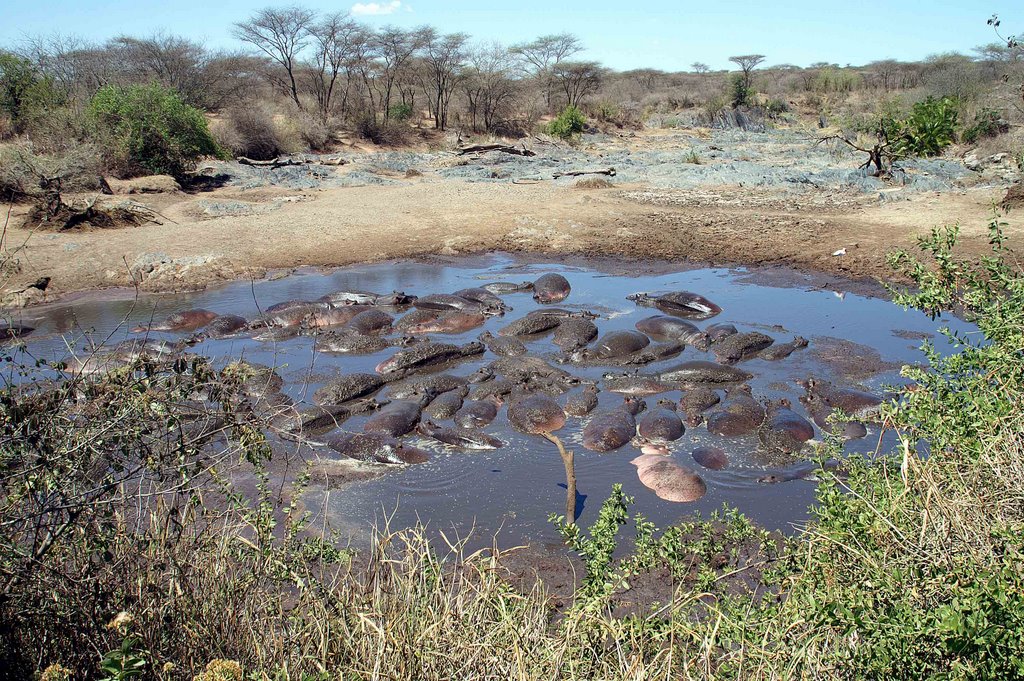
(237, 232)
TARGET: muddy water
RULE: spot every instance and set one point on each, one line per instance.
(513, 489)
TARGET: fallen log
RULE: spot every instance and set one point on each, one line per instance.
(591, 171)
(504, 148)
(279, 162)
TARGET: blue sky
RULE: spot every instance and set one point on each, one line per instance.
(657, 33)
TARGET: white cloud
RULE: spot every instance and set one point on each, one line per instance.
(368, 9)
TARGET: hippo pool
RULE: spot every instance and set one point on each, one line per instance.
(854, 341)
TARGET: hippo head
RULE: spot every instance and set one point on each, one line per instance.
(634, 405)
(397, 298)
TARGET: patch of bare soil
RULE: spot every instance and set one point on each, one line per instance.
(228, 232)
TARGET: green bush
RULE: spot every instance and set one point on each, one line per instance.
(26, 97)
(568, 124)
(148, 129)
(400, 112)
(739, 93)
(930, 128)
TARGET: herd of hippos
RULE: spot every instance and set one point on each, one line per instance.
(422, 398)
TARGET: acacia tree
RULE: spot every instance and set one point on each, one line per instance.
(445, 57)
(578, 79)
(544, 54)
(700, 68)
(335, 40)
(488, 85)
(747, 63)
(395, 50)
(281, 34)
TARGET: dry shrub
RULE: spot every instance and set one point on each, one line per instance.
(255, 135)
(386, 135)
(314, 132)
(593, 183)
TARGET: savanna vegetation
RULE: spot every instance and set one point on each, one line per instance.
(144, 536)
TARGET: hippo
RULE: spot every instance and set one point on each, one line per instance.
(319, 318)
(660, 425)
(189, 320)
(740, 346)
(783, 429)
(633, 404)
(484, 297)
(415, 317)
(583, 402)
(527, 369)
(609, 430)
(447, 301)
(536, 414)
(695, 402)
(820, 411)
(252, 379)
(346, 342)
(370, 321)
(678, 304)
(447, 404)
(551, 288)
(850, 401)
(720, 331)
(561, 312)
(500, 387)
(698, 372)
(636, 385)
(574, 333)
(393, 299)
(292, 304)
(500, 288)
(670, 481)
(783, 350)
(222, 326)
(652, 353)
(397, 418)
(450, 322)
(320, 419)
(376, 447)
(478, 413)
(619, 344)
(348, 387)
(739, 414)
(530, 325)
(273, 334)
(461, 438)
(712, 458)
(106, 359)
(669, 329)
(426, 354)
(505, 346)
(430, 383)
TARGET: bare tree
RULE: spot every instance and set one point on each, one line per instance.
(395, 48)
(445, 57)
(747, 63)
(578, 79)
(334, 40)
(281, 34)
(489, 85)
(544, 53)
